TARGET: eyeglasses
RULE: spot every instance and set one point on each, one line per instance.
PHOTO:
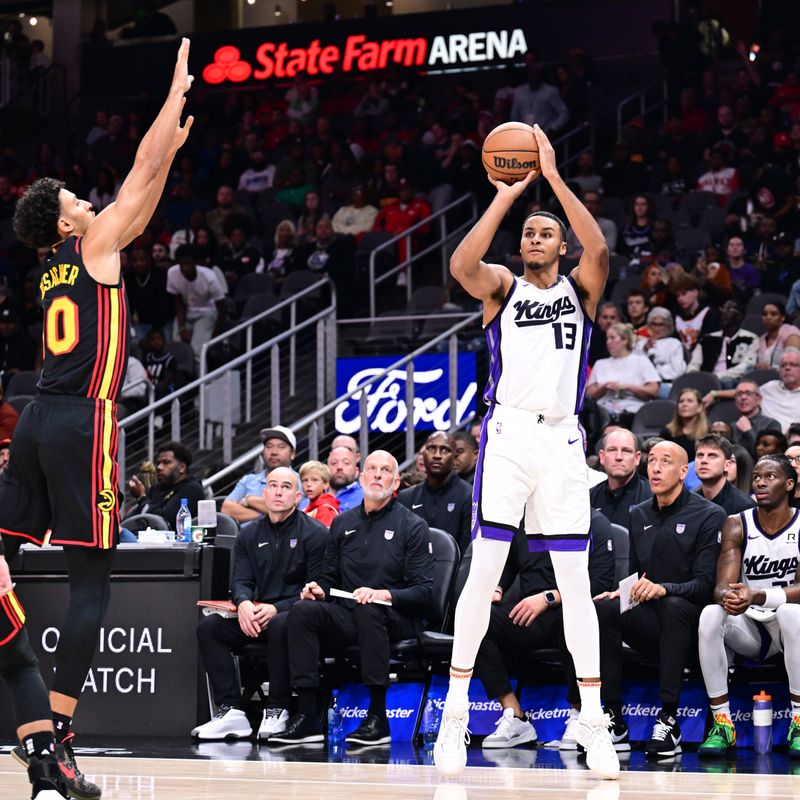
(658, 324)
(794, 459)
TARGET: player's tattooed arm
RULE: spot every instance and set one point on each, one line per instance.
(729, 564)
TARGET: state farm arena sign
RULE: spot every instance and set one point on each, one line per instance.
(360, 53)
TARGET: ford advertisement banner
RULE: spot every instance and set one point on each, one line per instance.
(386, 398)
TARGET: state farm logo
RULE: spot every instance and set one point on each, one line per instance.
(278, 60)
(227, 66)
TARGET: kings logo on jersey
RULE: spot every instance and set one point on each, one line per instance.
(531, 312)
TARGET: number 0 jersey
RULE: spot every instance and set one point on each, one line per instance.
(538, 349)
(85, 332)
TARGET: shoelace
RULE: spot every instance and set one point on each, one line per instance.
(221, 712)
(661, 730)
(455, 732)
(272, 713)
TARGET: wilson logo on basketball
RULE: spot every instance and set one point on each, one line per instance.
(359, 54)
(514, 163)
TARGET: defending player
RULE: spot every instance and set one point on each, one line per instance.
(531, 458)
(757, 595)
(63, 474)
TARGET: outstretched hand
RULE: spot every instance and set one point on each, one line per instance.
(547, 155)
(181, 79)
(514, 190)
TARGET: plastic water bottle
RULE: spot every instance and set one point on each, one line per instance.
(431, 719)
(183, 523)
(334, 718)
(762, 723)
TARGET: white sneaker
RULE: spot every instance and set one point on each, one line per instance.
(450, 750)
(593, 735)
(49, 794)
(228, 723)
(273, 721)
(568, 740)
(510, 732)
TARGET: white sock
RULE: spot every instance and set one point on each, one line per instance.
(591, 706)
(457, 700)
(722, 708)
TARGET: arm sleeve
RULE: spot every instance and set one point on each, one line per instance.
(315, 542)
(243, 583)
(696, 360)
(602, 558)
(699, 589)
(327, 575)
(417, 593)
(172, 280)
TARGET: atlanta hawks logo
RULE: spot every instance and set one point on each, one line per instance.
(106, 500)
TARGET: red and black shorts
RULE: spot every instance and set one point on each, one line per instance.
(62, 474)
(12, 617)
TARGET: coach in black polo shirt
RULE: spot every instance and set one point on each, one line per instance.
(619, 457)
(273, 560)
(713, 454)
(381, 553)
(443, 500)
(674, 545)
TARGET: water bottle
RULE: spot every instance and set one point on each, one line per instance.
(334, 718)
(431, 718)
(183, 523)
(762, 723)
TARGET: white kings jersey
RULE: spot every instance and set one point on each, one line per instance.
(769, 560)
(538, 349)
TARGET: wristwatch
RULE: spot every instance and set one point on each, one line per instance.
(550, 597)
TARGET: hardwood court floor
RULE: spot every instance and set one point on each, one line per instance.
(247, 772)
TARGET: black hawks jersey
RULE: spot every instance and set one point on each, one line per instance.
(85, 332)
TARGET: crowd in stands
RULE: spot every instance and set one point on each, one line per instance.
(695, 355)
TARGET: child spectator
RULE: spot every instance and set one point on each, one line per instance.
(315, 479)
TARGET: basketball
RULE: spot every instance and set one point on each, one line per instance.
(510, 152)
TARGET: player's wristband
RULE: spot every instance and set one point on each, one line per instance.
(774, 597)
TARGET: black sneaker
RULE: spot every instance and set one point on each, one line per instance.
(666, 737)
(620, 737)
(78, 787)
(373, 730)
(300, 729)
(47, 783)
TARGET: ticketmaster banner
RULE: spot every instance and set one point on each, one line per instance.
(403, 702)
(483, 712)
(386, 399)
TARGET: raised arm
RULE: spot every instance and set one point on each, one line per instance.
(729, 564)
(119, 223)
(488, 283)
(591, 273)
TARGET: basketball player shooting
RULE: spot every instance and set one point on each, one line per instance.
(531, 460)
(63, 473)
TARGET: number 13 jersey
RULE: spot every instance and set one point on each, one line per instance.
(538, 349)
(85, 331)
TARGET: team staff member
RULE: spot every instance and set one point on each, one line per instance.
(63, 473)
(443, 500)
(379, 544)
(273, 560)
(614, 498)
(674, 544)
(532, 619)
(713, 456)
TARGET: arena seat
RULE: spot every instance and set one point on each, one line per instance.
(757, 302)
(19, 401)
(138, 522)
(762, 376)
(724, 411)
(652, 417)
(753, 323)
(619, 536)
(23, 382)
(704, 382)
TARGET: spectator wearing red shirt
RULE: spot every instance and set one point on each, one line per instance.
(407, 212)
(695, 120)
(720, 179)
(315, 479)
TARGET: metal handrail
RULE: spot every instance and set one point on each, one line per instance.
(172, 400)
(309, 419)
(406, 264)
(640, 96)
(247, 326)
